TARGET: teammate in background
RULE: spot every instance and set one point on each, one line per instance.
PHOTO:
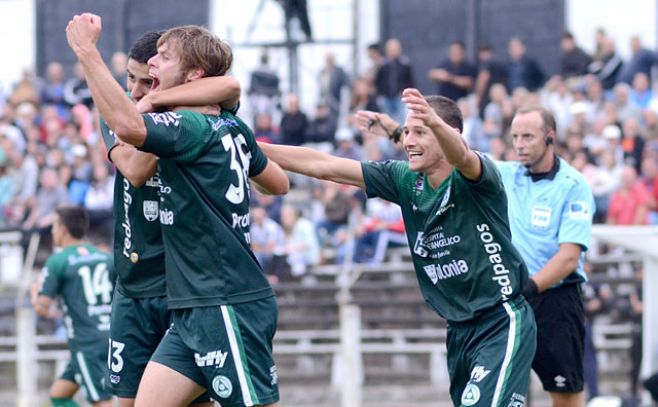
(455, 214)
(215, 286)
(140, 317)
(550, 212)
(80, 275)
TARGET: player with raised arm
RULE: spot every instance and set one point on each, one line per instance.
(224, 311)
(455, 213)
(140, 317)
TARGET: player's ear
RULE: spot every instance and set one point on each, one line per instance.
(194, 74)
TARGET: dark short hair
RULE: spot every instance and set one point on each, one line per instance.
(375, 46)
(458, 43)
(448, 110)
(567, 35)
(75, 219)
(485, 46)
(145, 47)
(546, 115)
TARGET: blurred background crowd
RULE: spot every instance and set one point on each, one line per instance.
(606, 110)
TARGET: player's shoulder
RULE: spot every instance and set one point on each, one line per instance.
(57, 260)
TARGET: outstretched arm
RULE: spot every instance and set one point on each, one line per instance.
(315, 164)
(215, 90)
(453, 145)
(113, 104)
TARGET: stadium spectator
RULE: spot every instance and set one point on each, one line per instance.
(76, 90)
(337, 205)
(649, 178)
(6, 188)
(629, 205)
(346, 147)
(642, 61)
(52, 92)
(490, 71)
(498, 112)
(26, 90)
(455, 75)
(641, 94)
(267, 241)
(264, 90)
(376, 59)
(393, 76)
(607, 64)
(333, 81)
(301, 249)
(119, 65)
(597, 300)
(558, 99)
(381, 227)
(473, 131)
(98, 200)
(51, 194)
(321, 130)
(523, 70)
(632, 143)
(573, 61)
(623, 105)
(604, 182)
(264, 129)
(293, 123)
(635, 351)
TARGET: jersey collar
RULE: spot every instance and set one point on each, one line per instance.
(549, 175)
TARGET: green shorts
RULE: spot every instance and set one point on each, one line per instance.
(68, 373)
(89, 371)
(227, 349)
(489, 358)
(136, 328)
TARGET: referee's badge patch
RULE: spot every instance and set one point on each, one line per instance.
(150, 210)
(541, 216)
(471, 395)
(579, 210)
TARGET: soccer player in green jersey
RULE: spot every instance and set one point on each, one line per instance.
(224, 311)
(140, 316)
(80, 275)
(455, 213)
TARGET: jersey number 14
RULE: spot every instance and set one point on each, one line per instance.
(96, 284)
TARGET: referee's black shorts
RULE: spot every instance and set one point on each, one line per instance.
(560, 319)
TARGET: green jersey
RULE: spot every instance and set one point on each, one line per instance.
(138, 248)
(205, 162)
(459, 234)
(80, 275)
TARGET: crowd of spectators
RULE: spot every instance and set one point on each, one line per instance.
(606, 110)
(607, 113)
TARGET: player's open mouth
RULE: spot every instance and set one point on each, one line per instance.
(155, 84)
(413, 154)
